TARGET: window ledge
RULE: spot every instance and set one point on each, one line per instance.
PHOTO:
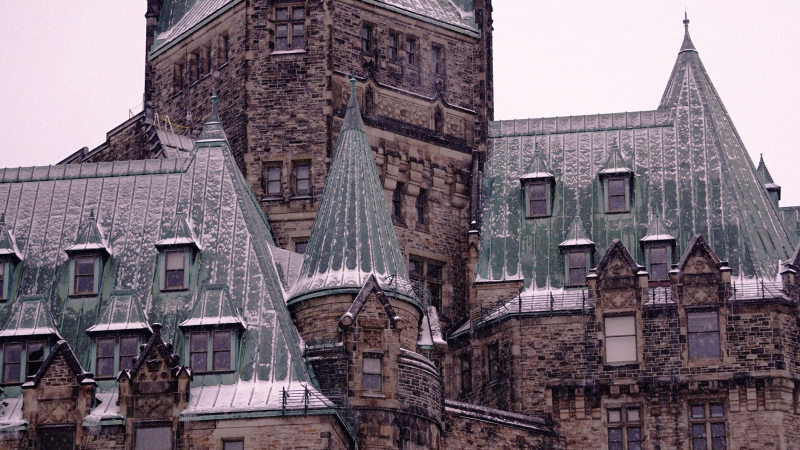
(621, 366)
(300, 197)
(372, 395)
(212, 372)
(93, 294)
(289, 52)
(184, 289)
(540, 216)
(271, 199)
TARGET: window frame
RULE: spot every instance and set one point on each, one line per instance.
(24, 358)
(227, 441)
(373, 374)
(393, 52)
(291, 23)
(5, 279)
(612, 338)
(188, 262)
(117, 355)
(493, 361)
(587, 252)
(707, 422)
(210, 350)
(690, 334)
(397, 200)
(626, 191)
(625, 425)
(367, 37)
(438, 66)
(465, 368)
(528, 186)
(297, 192)
(152, 425)
(74, 275)
(268, 183)
(421, 207)
(301, 241)
(178, 76)
(667, 260)
(411, 51)
(223, 49)
(423, 279)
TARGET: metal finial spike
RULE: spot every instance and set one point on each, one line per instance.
(685, 19)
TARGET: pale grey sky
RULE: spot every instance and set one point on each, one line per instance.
(71, 70)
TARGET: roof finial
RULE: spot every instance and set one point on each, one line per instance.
(687, 41)
(91, 214)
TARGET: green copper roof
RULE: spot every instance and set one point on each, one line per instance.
(353, 236)
(656, 230)
(213, 308)
(687, 161)
(8, 247)
(89, 237)
(30, 317)
(180, 18)
(122, 312)
(456, 15)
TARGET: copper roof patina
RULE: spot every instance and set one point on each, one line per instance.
(687, 162)
(353, 237)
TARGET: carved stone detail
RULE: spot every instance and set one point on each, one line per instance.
(56, 411)
(372, 338)
(700, 295)
(618, 298)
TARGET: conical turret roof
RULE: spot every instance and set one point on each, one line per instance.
(741, 223)
(353, 236)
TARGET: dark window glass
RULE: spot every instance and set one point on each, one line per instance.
(302, 175)
(2, 279)
(698, 411)
(153, 438)
(272, 180)
(12, 363)
(198, 351)
(634, 436)
(177, 77)
(366, 38)
(615, 439)
(128, 349)
(233, 445)
(426, 278)
(35, 358)
(222, 350)
(494, 361)
(392, 53)
(699, 436)
(718, 436)
(174, 269)
(420, 206)
(708, 427)
(300, 247)
(224, 48)
(616, 195)
(281, 36)
(411, 51)
(298, 13)
(658, 263)
(105, 357)
(624, 435)
(537, 195)
(281, 13)
(372, 374)
(56, 438)
(437, 59)
(298, 35)
(466, 373)
(438, 121)
(717, 410)
(84, 274)
(577, 268)
(397, 201)
(703, 334)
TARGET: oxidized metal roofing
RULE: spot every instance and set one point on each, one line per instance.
(90, 237)
(656, 230)
(30, 317)
(212, 308)
(353, 236)
(135, 204)
(122, 312)
(8, 246)
(456, 16)
(179, 17)
(687, 161)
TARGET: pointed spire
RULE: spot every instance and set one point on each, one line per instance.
(212, 130)
(687, 45)
(353, 237)
(576, 235)
(763, 172)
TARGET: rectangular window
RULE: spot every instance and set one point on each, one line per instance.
(437, 59)
(56, 438)
(537, 197)
(174, 269)
(620, 339)
(12, 363)
(198, 351)
(466, 373)
(153, 438)
(128, 349)
(224, 48)
(205, 60)
(194, 67)
(84, 274)
(301, 246)
(372, 375)
(394, 38)
(2, 280)
(34, 358)
(302, 178)
(617, 201)
(427, 279)
(366, 38)
(703, 335)
(420, 206)
(290, 28)
(411, 51)
(658, 263)
(708, 426)
(397, 201)
(493, 357)
(272, 180)
(624, 428)
(233, 444)
(177, 77)
(105, 357)
(222, 350)
(576, 268)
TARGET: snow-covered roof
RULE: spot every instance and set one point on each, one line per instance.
(30, 316)
(122, 312)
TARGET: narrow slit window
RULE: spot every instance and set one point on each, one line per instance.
(366, 38)
(12, 363)
(620, 339)
(466, 374)
(421, 207)
(105, 357)
(224, 48)
(392, 48)
(411, 52)
(437, 59)
(397, 201)
(2, 280)
(198, 351)
(174, 270)
(494, 361)
(372, 375)
(84, 274)
(222, 350)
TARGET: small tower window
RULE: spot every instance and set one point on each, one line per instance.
(174, 269)
(392, 48)
(84, 270)
(577, 267)
(224, 48)
(290, 28)
(411, 51)
(466, 373)
(372, 375)
(366, 37)
(421, 207)
(438, 120)
(272, 180)
(397, 201)
(658, 258)
(177, 77)
(617, 195)
(369, 102)
(437, 59)
(302, 178)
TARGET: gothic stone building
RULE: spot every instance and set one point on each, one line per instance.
(347, 252)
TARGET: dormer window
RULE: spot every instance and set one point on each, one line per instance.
(578, 251)
(616, 179)
(617, 195)
(115, 353)
(211, 351)
(84, 270)
(537, 189)
(658, 246)
(3, 284)
(21, 360)
(577, 263)
(174, 269)
(658, 262)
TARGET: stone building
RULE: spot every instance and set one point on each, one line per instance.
(347, 252)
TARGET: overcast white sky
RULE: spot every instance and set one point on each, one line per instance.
(72, 69)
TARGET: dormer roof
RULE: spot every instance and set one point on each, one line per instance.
(539, 169)
(30, 317)
(179, 234)
(213, 308)
(123, 312)
(657, 231)
(615, 164)
(90, 238)
(8, 246)
(576, 235)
